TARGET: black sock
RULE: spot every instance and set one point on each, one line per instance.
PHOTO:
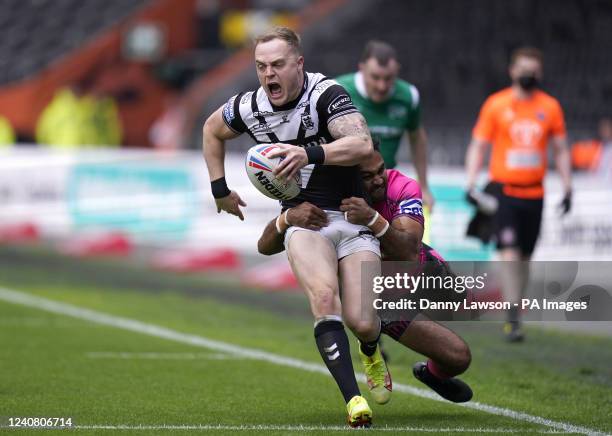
(513, 315)
(333, 345)
(369, 348)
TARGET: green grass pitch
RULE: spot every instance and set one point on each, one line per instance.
(111, 380)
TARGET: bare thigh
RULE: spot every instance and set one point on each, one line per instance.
(315, 265)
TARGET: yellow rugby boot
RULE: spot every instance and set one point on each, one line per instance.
(377, 374)
(359, 412)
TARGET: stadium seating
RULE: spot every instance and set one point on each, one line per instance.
(456, 52)
(47, 29)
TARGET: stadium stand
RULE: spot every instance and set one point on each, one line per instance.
(457, 53)
(48, 29)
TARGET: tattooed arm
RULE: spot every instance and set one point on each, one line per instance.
(353, 142)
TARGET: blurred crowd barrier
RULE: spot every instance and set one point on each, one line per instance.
(163, 199)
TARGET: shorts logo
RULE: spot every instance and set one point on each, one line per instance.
(413, 206)
(338, 102)
(228, 110)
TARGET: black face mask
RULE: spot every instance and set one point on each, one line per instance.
(528, 83)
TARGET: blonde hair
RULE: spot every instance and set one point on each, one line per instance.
(283, 33)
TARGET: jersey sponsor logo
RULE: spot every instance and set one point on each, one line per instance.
(262, 114)
(386, 131)
(525, 132)
(338, 102)
(397, 112)
(228, 110)
(523, 159)
(414, 206)
(302, 104)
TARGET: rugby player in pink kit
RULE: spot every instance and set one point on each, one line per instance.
(396, 218)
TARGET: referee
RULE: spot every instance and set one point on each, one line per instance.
(519, 122)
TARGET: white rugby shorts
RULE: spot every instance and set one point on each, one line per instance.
(345, 237)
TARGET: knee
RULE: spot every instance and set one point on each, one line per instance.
(363, 329)
(460, 357)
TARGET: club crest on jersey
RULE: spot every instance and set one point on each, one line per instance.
(414, 206)
(307, 122)
(261, 128)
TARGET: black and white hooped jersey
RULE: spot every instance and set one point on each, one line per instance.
(301, 122)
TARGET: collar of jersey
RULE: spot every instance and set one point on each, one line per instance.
(293, 103)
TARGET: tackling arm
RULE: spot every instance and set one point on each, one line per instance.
(305, 215)
(400, 241)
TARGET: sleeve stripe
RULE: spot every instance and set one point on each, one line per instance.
(415, 96)
(346, 112)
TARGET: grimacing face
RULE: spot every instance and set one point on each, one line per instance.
(374, 177)
(280, 71)
(379, 79)
(525, 66)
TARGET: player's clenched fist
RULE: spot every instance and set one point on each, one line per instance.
(357, 211)
(294, 158)
(231, 204)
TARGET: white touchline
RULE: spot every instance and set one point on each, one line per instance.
(133, 325)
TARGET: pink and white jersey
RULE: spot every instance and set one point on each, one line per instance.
(403, 198)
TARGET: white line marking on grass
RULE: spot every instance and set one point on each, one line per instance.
(304, 428)
(29, 300)
(158, 356)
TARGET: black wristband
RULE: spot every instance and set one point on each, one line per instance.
(316, 154)
(219, 188)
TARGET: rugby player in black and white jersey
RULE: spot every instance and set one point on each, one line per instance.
(321, 133)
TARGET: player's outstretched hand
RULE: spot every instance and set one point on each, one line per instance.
(294, 158)
(231, 204)
(357, 211)
(308, 216)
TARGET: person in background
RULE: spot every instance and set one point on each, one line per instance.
(7, 134)
(391, 106)
(519, 122)
(593, 154)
